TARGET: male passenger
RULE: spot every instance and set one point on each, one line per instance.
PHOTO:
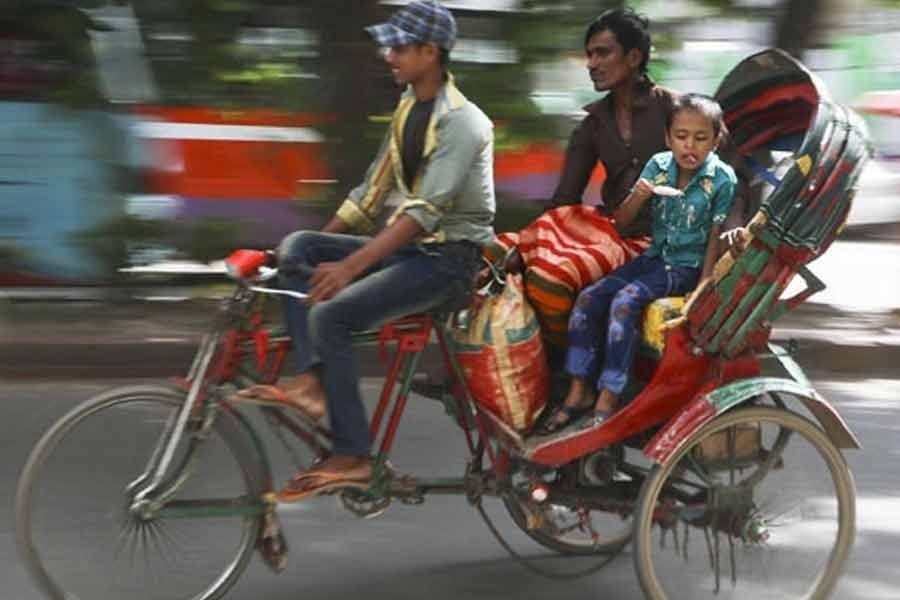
(626, 127)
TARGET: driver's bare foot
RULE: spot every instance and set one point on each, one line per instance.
(304, 392)
(347, 466)
(334, 473)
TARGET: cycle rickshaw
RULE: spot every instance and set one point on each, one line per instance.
(725, 448)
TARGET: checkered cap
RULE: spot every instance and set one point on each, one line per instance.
(422, 21)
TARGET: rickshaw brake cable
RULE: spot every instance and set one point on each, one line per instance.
(529, 564)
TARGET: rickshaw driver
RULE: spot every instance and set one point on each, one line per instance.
(438, 159)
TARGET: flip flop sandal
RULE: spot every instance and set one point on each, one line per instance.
(551, 425)
(313, 483)
(597, 418)
(271, 395)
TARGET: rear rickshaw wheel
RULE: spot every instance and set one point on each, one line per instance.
(756, 504)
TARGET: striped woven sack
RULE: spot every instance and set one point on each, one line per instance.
(564, 250)
(499, 347)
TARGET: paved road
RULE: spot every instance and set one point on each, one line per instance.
(859, 275)
(442, 548)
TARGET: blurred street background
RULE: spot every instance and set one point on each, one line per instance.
(134, 133)
(141, 141)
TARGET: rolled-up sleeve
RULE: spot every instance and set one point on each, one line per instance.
(364, 202)
(460, 141)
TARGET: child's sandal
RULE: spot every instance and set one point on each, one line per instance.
(553, 424)
(597, 418)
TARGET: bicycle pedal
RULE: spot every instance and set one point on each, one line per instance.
(406, 490)
(417, 499)
(362, 504)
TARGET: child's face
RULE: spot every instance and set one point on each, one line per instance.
(691, 138)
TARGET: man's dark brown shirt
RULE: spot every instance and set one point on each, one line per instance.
(597, 138)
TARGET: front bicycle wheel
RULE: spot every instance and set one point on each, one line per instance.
(78, 532)
(758, 504)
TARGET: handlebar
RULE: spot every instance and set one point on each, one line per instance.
(248, 267)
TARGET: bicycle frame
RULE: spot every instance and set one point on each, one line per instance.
(218, 361)
(152, 491)
(149, 484)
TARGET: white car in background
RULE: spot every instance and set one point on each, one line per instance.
(878, 197)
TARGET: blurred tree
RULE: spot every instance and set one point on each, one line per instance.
(801, 24)
(65, 51)
(207, 240)
(11, 256)
(340, 76)
(354, 84)
(111, 242)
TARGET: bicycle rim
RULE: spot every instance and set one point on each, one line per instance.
(74, 529)
(776, 524)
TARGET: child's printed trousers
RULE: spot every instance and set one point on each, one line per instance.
(604, 327)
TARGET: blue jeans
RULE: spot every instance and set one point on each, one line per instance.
(414, 279)
(604, 327)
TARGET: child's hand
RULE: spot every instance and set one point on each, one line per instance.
(736, 240)
(642, 190)
(664, 190)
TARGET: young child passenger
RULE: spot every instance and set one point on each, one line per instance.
(691, 190)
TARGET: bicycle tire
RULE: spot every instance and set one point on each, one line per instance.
(56, 570)
(778, 559)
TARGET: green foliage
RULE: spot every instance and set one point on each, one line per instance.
(11, 256)
(62, 31)
(114, 242)
(111, 242)
(209, 239)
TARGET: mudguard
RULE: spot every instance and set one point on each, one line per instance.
(706, 407)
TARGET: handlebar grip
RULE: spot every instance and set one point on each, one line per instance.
(245, 263)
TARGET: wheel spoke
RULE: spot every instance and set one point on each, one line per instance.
(585, 519)
(777, 514)
(80, 544)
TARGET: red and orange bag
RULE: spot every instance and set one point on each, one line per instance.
(500, 349)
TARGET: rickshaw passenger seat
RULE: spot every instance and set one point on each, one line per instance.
(657, 313)
(765, 98)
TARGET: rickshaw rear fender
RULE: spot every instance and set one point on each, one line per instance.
(706, 407)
